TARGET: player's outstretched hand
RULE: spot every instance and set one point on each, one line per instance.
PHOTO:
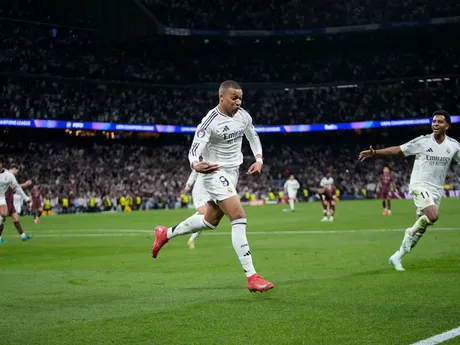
(28, 183)
(255, 169)
(205, 168)
(366, 154)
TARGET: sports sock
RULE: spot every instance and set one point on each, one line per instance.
(18, 227)
(419, 228)
(191, 224)
(291, 203)
(241, 246)
(389, 205)
(332, 210)
(417, 231)
(384, 204)
(324, 208)
(195, 235)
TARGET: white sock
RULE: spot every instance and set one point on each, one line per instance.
(400, 253)
(23, 235)
(192, 224)
(195, 235)
(420, 226)
(241, 246)
(291, 203)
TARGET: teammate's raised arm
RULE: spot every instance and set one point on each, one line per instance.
(192, 178)
(17, 188)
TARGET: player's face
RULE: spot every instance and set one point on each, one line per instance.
(291, 177)
(439, 124)
(14, 171)
(231, 100)
(386, 170)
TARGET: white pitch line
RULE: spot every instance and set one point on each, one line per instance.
(138, 232)
(440, 338)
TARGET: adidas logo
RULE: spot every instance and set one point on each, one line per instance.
(225, 129)
(248, 253)
(429, 150)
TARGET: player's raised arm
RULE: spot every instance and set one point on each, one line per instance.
(191, 181)
(17, 188)
(26, 184)
(256, 147)
(388, 151)
(200, 140)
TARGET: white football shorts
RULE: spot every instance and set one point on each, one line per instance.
(292, 194)
(2, 200)
(424, 196)
(221, 185)
(200, 199)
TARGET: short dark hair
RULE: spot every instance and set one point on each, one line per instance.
(229, 84)
(443, 113)
(2, 160)
(14, 166)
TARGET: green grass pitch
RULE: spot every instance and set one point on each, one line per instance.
(90, 279)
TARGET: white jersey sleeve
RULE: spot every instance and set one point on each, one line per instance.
(253, 137)
(413, 147)
(192, 178)
(15, 185)
(296, 184)
(201, 138)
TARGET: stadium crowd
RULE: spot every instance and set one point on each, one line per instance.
(57, 100)
(58, 73)
(178, 60)
(278, 14)
(158, 174)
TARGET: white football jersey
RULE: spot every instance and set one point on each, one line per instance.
(219, 137)
(8, 179)
(291, 185)
(195, 181)
(432, 160)
(326, 182)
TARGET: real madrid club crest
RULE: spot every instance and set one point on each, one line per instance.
(447, 150)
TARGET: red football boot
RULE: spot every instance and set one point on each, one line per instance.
(161, 239)
(257, 283)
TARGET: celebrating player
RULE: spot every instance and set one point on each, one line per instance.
(291, 187)
(200, 200)
(328, 197)
(7, 179)
(385, 187)
(37, 203)
(434, 153)
(218, 141)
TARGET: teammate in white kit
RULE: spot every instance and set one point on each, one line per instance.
(7, 179)
(218, 141)
(200, 199)
(291, 187)
(433, 156)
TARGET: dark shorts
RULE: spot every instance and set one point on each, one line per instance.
(385, 194)
(36, 206)
(11, 208)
